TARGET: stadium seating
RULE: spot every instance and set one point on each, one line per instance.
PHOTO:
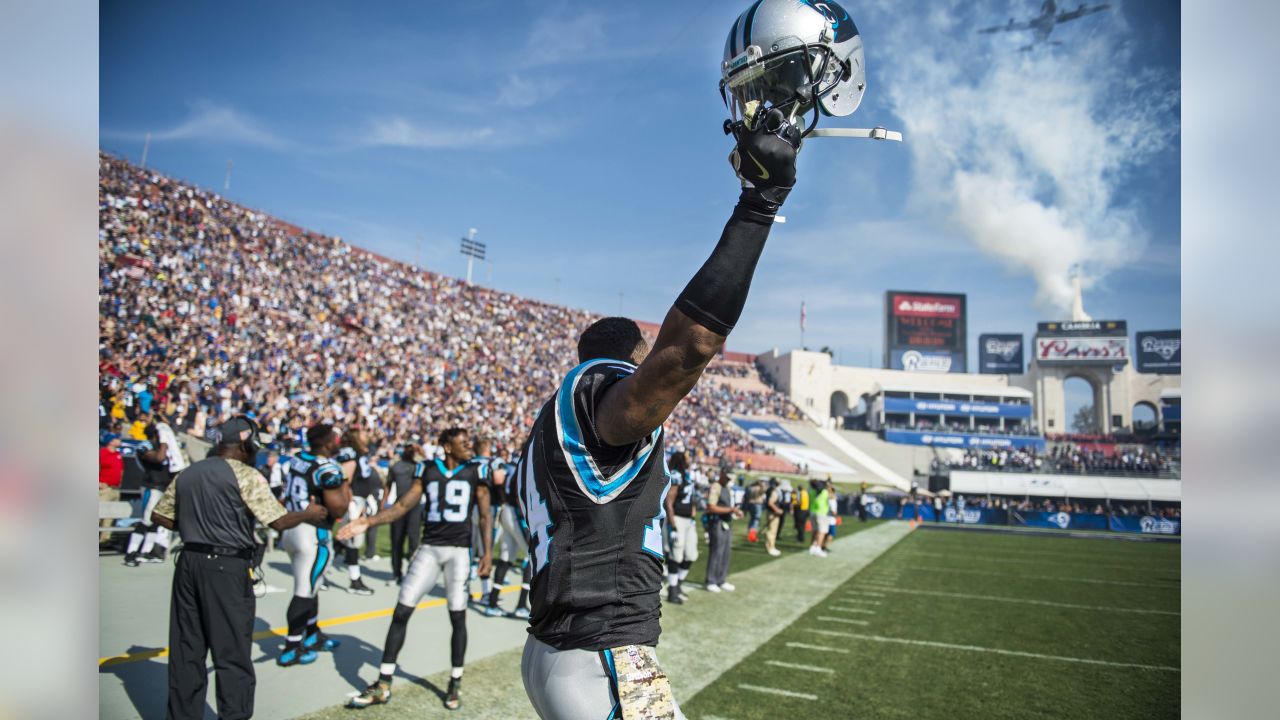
(216, 308)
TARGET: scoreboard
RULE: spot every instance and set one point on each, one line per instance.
(925, 331)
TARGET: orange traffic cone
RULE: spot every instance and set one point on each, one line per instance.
(752, 535)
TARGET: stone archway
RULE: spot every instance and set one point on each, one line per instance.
(1080, 402)
(1146, 418)
(839, 404)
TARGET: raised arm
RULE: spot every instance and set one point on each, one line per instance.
(706, 311)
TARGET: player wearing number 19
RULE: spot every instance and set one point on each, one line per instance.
(453, 487)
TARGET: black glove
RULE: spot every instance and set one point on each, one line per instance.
(765, 158)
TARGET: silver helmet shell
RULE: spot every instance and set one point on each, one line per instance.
(794, 54)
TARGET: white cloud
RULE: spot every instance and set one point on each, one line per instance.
(214, 122)
(556, 37)
(1024, 152)
(397, 131)
(519, 91)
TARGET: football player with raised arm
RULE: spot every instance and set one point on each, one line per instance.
(591, 479)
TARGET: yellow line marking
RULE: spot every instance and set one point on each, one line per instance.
(281, 631)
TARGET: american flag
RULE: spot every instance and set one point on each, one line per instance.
(801, 316)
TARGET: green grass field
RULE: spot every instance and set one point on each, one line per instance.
(952, 624)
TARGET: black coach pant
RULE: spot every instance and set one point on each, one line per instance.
(802, 517)
(211, 610)
(407, 528)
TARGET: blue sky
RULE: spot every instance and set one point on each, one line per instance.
(583, 141)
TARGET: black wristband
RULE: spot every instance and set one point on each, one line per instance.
(714, 298)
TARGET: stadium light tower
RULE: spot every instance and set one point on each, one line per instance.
(473, 250)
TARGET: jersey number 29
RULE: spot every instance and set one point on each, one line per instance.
(457, 495)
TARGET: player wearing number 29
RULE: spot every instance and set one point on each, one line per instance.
(453, 487)
(591, 478)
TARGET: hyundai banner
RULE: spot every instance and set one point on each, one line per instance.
(962, 440)
(1159, 351)
(956, 407)
(1000, 354)
(1105, 350)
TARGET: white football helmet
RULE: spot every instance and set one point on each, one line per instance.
(799, 56)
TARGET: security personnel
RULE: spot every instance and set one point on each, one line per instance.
(212, 505)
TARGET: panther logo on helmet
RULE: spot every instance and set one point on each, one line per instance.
(837, 16)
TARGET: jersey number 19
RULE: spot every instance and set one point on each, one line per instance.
(457, 495)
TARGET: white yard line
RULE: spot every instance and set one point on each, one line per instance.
(1016, 561)
(1095, 581)
(997, 651)
(777, 691)
(798, 666)
(864, 592)
(864, 611)
(1025, 601)
(846, 621)
(819, 648)
(860, 602)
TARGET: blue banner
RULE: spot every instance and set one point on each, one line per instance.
(767, 431)
(1146, 524)
(1060, 520)
(956, 407)
(1171, 413)
(1000, 354)
(1159, 351)
(962, 440)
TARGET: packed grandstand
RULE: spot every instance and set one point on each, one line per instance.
(208, 308)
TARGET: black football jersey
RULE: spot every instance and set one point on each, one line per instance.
(594, 515)
(450, 496)
(364, 481)
(154, 475)
(486, 465)
(685, 491)
(309, 476)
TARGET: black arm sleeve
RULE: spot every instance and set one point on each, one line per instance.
(714, 298)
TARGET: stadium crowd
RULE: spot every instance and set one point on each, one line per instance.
(207, 309)
(1071, 459)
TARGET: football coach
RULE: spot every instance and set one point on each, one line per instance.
(212, 505)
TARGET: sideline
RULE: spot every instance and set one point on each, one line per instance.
(113, 660)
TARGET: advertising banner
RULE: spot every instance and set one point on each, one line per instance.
(1060, 520)
(767, 431)
(1104, 350)
(956, 407)
(1146, 524)
(1083, 328)
(1159, 351)
(1000, 354)
(962, 440)
(1171, 413)
(974, 516)
(925, 331)
(926, 361)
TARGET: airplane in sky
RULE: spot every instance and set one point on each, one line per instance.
(1044, 24)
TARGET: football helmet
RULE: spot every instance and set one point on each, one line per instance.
(800, 56)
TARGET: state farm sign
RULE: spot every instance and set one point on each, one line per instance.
(926, 306)
(1082, 349)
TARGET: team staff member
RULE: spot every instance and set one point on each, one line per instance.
(212, 505)
(774, 504)
(406, 529)
(720, 534)
(800, 503)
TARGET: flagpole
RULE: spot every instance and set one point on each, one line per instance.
(802, 324)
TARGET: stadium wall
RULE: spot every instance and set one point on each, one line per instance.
(810, 379)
